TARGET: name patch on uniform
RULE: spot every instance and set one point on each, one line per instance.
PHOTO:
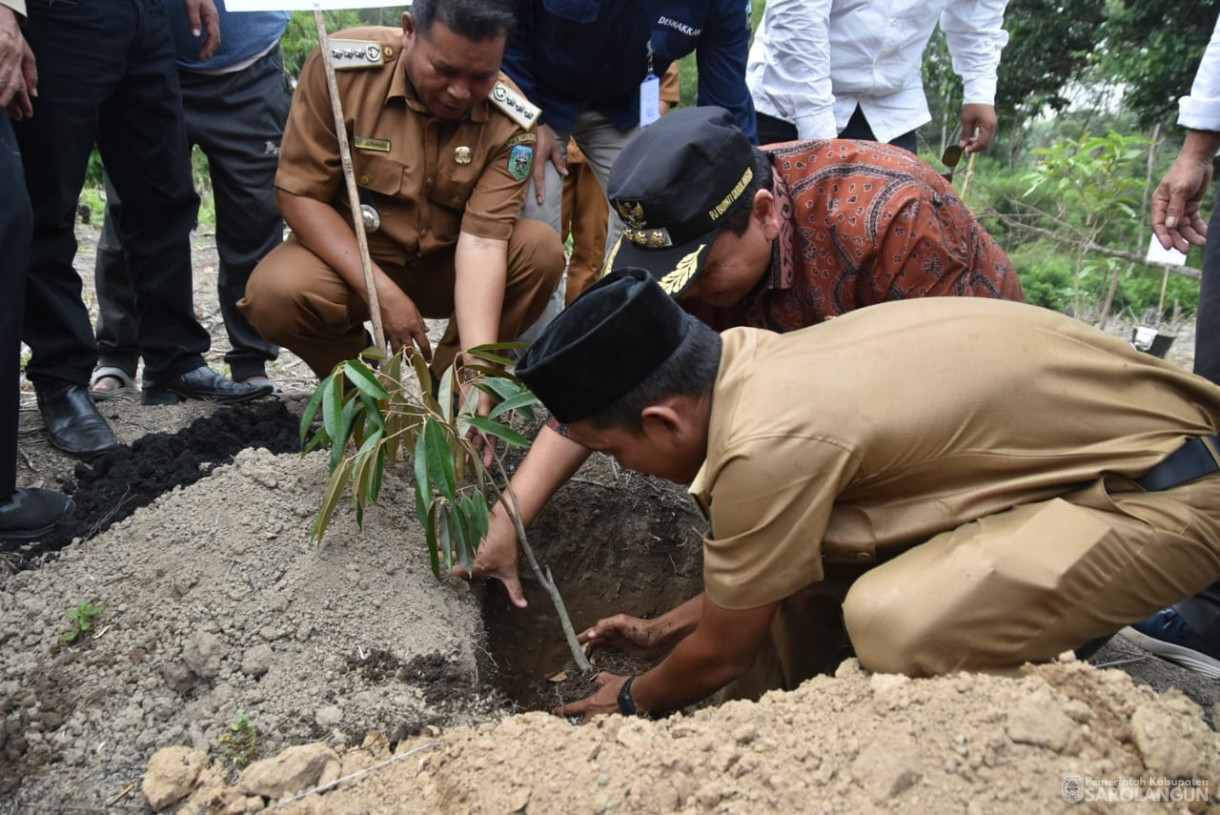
(522, 138)
(520, 161)
(352, 55)
(376, 145)
(514, 105)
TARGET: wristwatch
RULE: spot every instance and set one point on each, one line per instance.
(626, 704)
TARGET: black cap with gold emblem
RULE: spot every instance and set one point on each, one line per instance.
(614, 335)
(674, 185)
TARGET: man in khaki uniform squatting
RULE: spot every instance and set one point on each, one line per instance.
(442, 146)
(980, 482)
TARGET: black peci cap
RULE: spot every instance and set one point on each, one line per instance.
(614, 335)
(674, 185)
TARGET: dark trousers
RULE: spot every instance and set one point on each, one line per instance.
(106, 74)
(15, 220)
(237, 120)
(1202, 612)
(773, 131)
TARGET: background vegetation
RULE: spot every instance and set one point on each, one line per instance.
(1086, 88)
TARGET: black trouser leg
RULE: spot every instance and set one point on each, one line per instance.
(117, 335)
(15, 221)
(1202, 612)
(142, 139)
(237, 120)
(774, 131)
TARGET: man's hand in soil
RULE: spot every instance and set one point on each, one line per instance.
(601, 702)
(627, 635)
(497, 556)
(551, 461)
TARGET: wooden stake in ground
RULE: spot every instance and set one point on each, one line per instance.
(349, 177)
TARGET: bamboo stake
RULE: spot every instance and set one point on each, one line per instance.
(969, 176)
(349, 176)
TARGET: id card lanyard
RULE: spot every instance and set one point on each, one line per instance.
(650, 94)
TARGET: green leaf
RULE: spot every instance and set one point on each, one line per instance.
(439, 461)
(444, 532)
(311, 409)
(334, 489)
(465, 529)
(372, 412)
(318, 438)
(373, 353)
(366, 462)
(482, 514)
(521, 400)
(495, 347)
(364, 379)
(378, 474)
(430, 532)
(488, 356)
(499, 387)
(445, 394)
(346, 424)
(498, 430)
(422, 373)
(423, 490)
(332, 414)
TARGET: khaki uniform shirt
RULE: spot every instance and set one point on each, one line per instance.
(428, 178)
(881, 428)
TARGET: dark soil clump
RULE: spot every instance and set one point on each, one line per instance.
(113, 486)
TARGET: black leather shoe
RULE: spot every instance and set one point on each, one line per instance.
(73, 422)
(30, 514)
(202, 383)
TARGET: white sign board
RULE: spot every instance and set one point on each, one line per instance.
(1167, 257)
(306, 5)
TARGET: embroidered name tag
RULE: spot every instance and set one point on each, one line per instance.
(377, 145)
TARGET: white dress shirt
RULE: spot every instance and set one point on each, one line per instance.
(1201, 110)
(814, 61)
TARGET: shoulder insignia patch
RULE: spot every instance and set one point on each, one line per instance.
(520, 162)
(514, 105)
(522, 138)
(353, 55)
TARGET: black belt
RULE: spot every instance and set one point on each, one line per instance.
(1192, 460)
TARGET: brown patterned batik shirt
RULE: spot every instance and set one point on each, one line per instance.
(862, 223)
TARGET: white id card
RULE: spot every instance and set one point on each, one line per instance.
(650, 100)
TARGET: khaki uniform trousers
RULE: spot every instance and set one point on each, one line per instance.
(297, 301)
(1019, 586)
(585, 215)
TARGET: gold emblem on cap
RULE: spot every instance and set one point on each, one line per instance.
(632, 212)
(462, 155)
(674, 282)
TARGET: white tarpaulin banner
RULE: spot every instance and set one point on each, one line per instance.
(306, 5)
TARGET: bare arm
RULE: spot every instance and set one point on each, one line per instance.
(646, 638)
(552, 460)
(721, 649)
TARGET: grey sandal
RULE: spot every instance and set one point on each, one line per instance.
(127, 388)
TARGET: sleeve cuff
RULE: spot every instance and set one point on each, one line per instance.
(820, 125)
(979, 91)
(1199, 113)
